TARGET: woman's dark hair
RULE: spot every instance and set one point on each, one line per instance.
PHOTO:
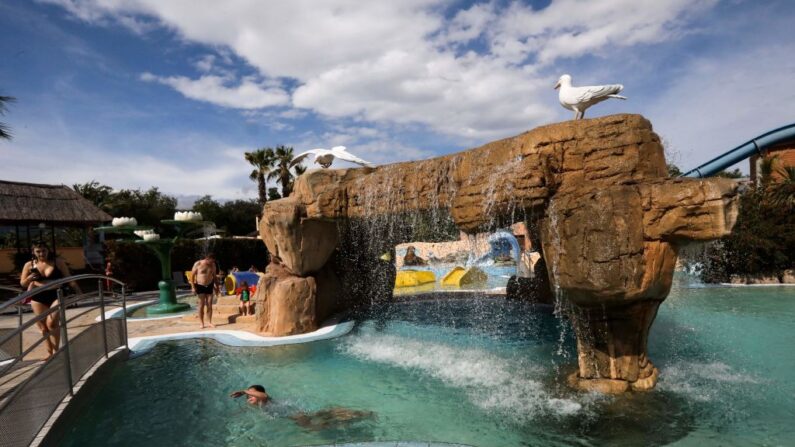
(259, 388)
(41, 245)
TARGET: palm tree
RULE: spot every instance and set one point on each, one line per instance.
(782, 192)
(767, 165)
(283, 156)
(262, 160)
(5, 133)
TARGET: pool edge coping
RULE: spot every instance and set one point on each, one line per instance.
(332, 328)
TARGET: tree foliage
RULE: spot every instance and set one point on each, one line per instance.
(236, 217)
(148, 207)
(263, 161)
(673, 170)
(95, 192)
(283, 156)
(763, 239)
(273, 194)
(736, 173)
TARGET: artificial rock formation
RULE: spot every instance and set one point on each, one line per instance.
(594, 192)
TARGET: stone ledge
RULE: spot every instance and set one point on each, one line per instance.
(333, 328)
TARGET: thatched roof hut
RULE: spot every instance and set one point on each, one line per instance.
(30, 203)
(34, 212)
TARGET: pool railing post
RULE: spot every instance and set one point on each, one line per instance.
(124, 314)
(21, 346)
(65, 341)
(102, 317)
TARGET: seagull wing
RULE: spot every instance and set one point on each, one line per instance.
(597, 92)
(300, 157)
(342, 154)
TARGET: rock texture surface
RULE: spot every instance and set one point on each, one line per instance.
(593, 192)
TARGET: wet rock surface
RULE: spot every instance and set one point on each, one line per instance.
(594, 193)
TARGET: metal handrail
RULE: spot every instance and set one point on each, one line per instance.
(64, 348)
(56, 285)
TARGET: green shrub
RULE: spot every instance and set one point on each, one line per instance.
(761, 243)
(139, 267)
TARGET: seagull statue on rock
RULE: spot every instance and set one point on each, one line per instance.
(325, 157)
(578, 99)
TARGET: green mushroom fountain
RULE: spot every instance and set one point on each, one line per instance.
(183, 223)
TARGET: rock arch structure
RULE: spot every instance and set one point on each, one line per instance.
(594, 192)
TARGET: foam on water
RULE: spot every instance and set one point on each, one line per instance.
(490, 381)
(702, 381)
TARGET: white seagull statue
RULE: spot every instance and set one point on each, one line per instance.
(325, 157)
(578, 99)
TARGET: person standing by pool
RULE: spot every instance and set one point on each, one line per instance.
(39, 271)
(108, 273)
(204, 286)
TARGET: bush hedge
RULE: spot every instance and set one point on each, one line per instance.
(138, 266)
(761, 243)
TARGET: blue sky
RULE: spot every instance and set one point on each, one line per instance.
(135, 93)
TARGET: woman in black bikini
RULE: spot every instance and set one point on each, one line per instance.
(36, 273)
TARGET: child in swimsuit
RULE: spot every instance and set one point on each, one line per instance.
(245, 299)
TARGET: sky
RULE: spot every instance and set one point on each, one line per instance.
(171, 93)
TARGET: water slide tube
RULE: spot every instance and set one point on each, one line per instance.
(743, 151)
(234, 281)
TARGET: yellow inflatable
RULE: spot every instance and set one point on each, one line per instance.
(411, 278)
(460, 276)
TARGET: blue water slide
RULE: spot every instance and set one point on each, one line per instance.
(743, 151)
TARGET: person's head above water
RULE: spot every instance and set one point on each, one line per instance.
(256, 394)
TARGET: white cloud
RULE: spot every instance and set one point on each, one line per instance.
(205, 63)
(570, 28)
(721, 102)
(248, 94)
(403, 62)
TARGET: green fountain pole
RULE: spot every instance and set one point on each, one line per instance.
(168, 293)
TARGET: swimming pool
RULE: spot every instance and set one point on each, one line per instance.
(482, 372)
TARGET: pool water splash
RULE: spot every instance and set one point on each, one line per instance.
(511, 386)
(705, 382)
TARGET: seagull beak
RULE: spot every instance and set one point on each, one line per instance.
(557, 84)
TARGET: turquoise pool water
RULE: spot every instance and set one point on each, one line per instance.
(481, 372)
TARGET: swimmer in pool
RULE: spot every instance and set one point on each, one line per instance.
(256, 395)
(318, 420)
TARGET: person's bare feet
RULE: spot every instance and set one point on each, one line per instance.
(211, 326)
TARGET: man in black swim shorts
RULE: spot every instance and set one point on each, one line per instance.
(203, 283)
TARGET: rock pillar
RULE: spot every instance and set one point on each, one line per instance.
(287, 298)
(613, 252)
